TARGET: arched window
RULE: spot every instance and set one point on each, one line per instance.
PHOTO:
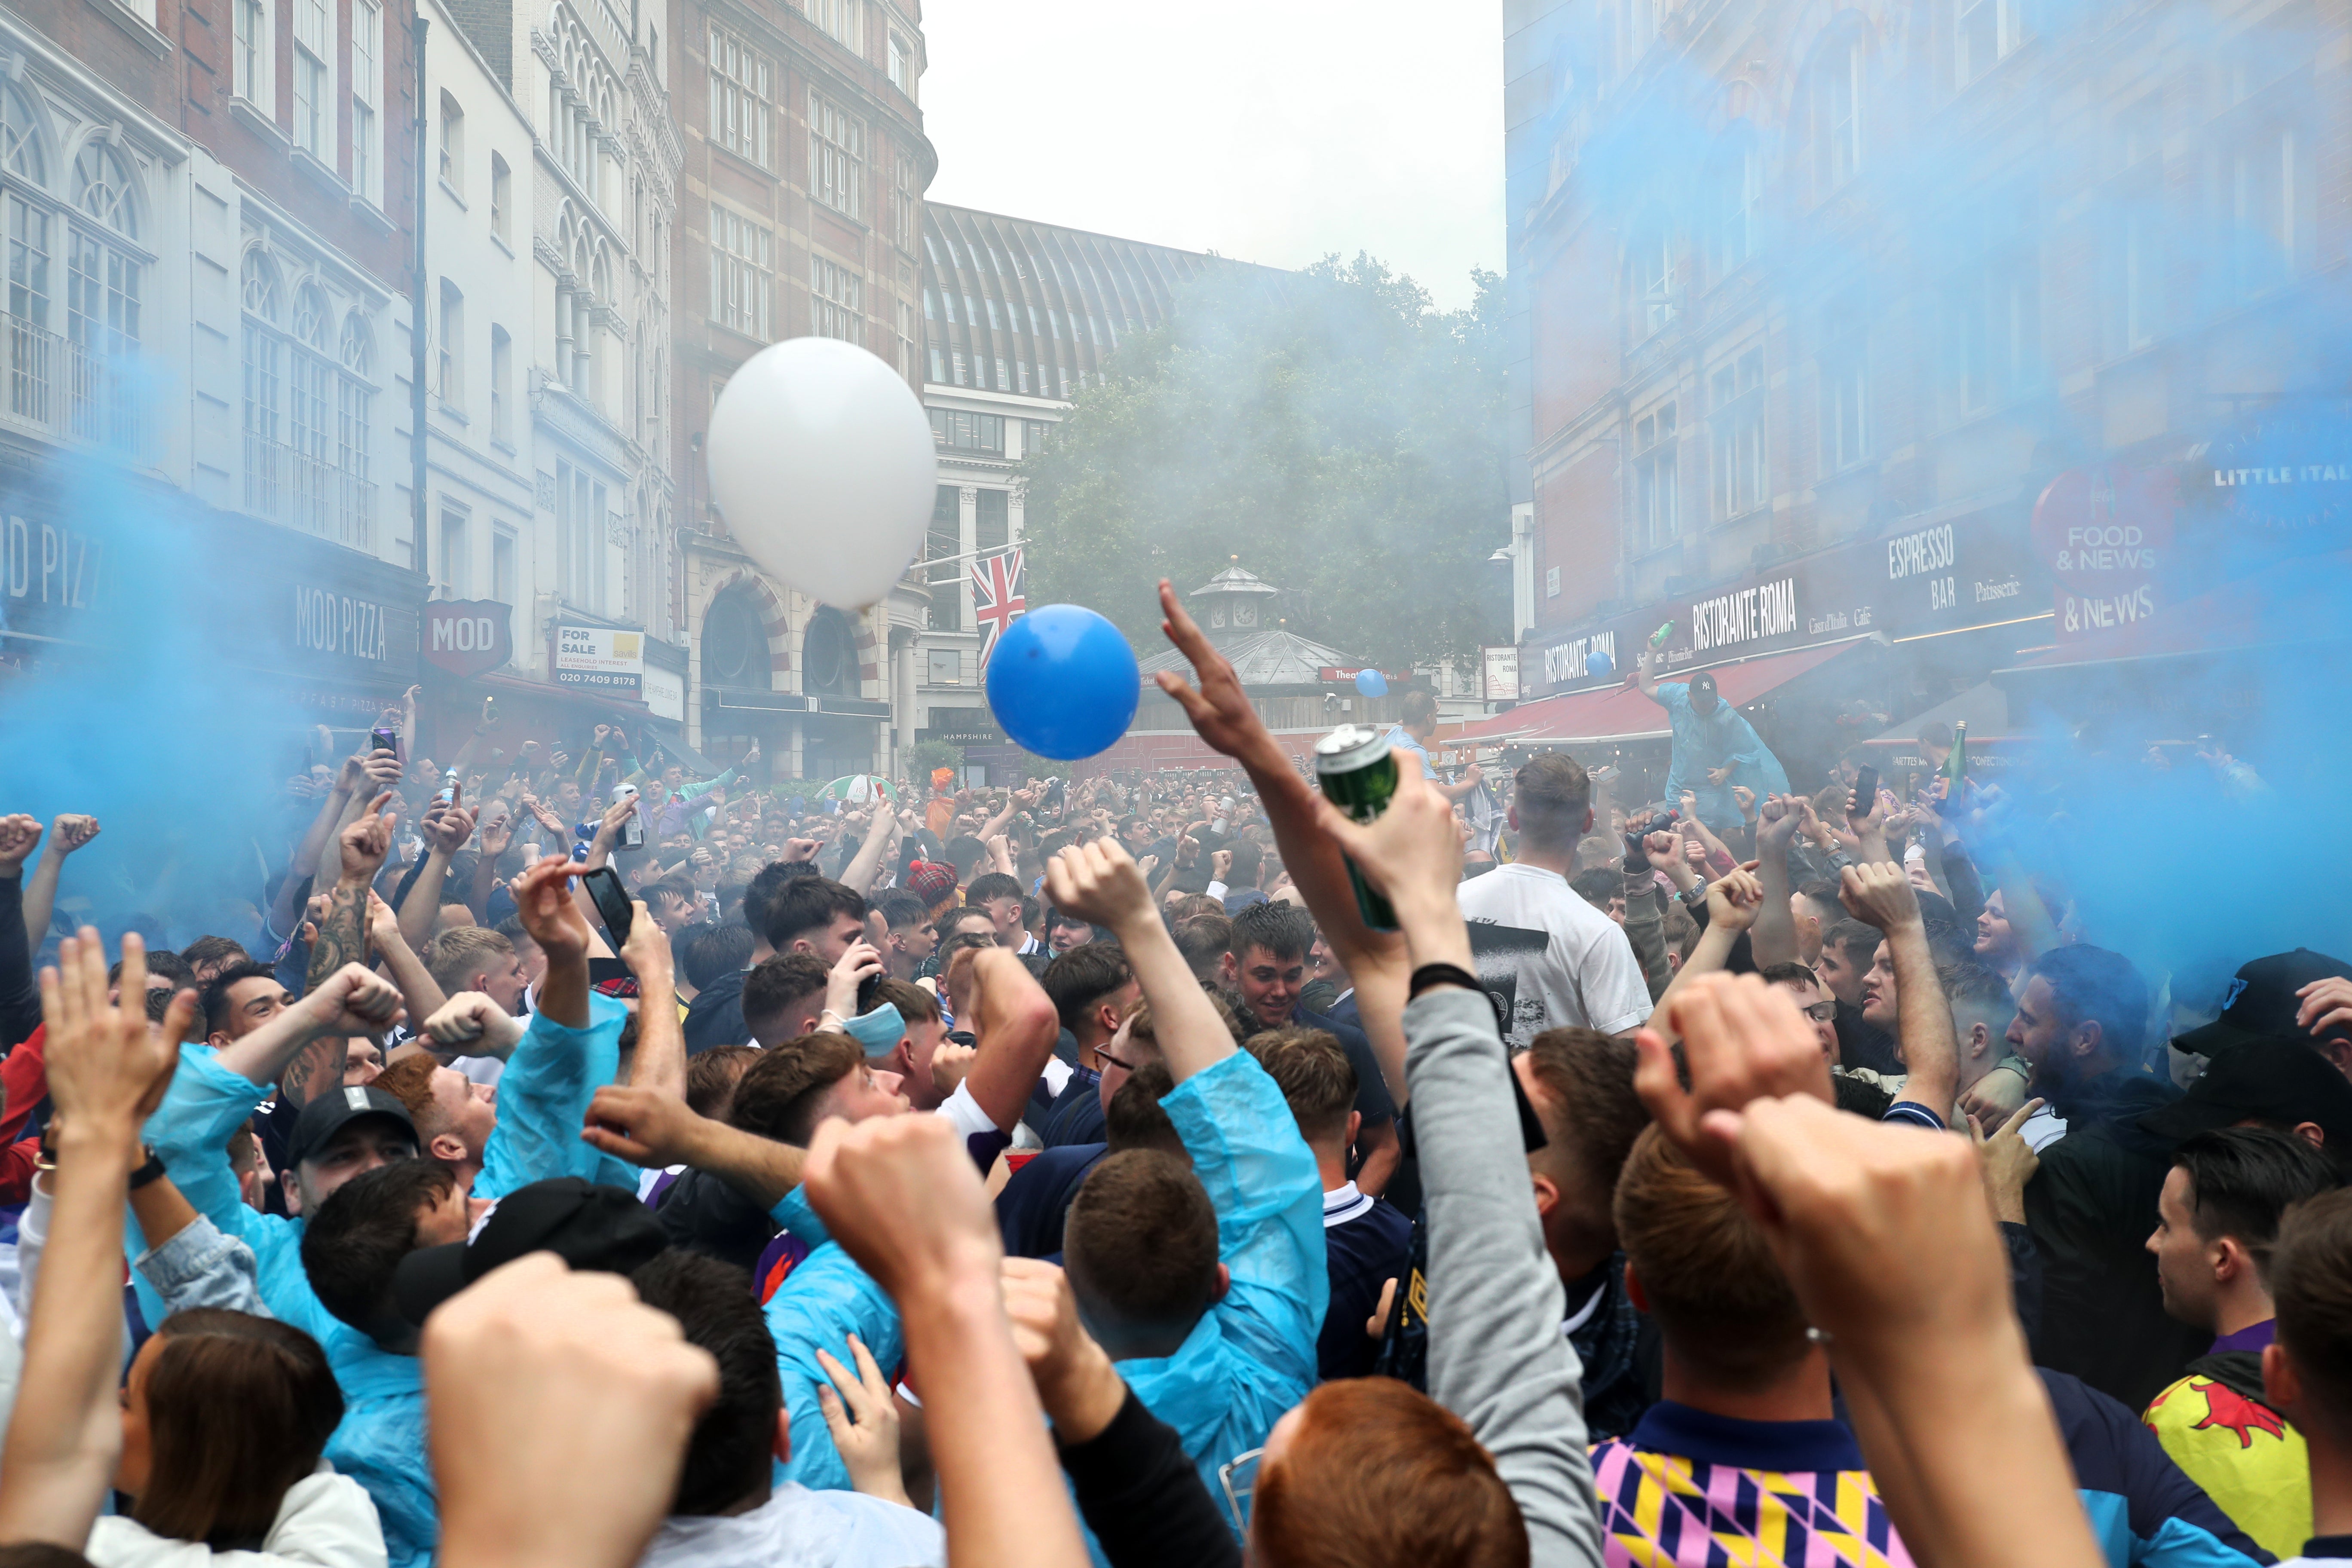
(1650, 266)
(309, 405)
(103, 187)
(1735, 188)
(1838, 98)
(359, 346)
(735, 644)
(310, 318)
(829, 655)
(258, 283)
(20, 135)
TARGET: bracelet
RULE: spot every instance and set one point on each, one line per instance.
(1430, 975)
(152, 1171)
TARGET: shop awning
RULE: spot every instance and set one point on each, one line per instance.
(1619, 713)
(2297, 602)
(671, 737)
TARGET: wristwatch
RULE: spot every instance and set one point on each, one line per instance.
(152, 1171)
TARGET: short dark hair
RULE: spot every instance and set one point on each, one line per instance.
(775, 983)
(804, 904)
(1823, 892)
(961, 942)
(2242, 1179)
(1284, 930)
(1203, 940)
(1135, 1118)
(1979, 989)
(239, 1408)
(729, 1456)
(992, 885)
(1552, 795)
(1140, 1248)
(2311, 1283)
(915, 1004)
(709, 953)
(778, 1096)
(1707, 1274)
(903, 910)
(161, 961)
(1587, 1079)
(1790, 973)
(353, 1247)
(1417, 707)
(209, 950)
(2091, 985)
(1082, 977)
(1847, 935)
(1249, 861)
(760, 894)
(1316, 1078)
(1937, 734)
(711, 1076)
(963, 852)
(215, 997)
(678, 889)
(1599, 886)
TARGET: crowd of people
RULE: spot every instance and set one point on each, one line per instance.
(1724, 1173)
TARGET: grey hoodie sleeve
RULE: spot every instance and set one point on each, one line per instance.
(1497, 1355)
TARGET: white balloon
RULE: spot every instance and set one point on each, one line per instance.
(820, 456)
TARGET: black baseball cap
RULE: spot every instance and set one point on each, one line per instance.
(2281, 1082)
(2261, 1002)
(587, 1226)
(1702, 681)
(338, 1108)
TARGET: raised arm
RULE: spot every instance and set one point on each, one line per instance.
(543, 901)
(1223, 716)
(444, 831)
(107, 1070)
(1017, 1030)
(418, 990)
(1644, 678)
(860, 874)
(360, 850)
(20, 1000)
(67, 833)
(1773, 937)
(1098, 882)
(1881, 895)
(656, 1129)
(660, 1061)
(1733, 903)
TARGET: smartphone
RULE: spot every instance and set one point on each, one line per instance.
(612, 901)
(1866, 793)
(632, 832)
(866, 992)
(384, 738)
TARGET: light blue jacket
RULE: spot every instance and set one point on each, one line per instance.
(824, 1300)
(1722, 739)
(1251, 1356)
(381, 1441)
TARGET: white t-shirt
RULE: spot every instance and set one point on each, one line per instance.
(796, 1528)
(1587, 977)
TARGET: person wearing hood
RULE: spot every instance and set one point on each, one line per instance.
(1714, 748)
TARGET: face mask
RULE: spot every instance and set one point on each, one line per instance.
(878, 1031)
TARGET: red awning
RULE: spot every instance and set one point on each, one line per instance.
(1616, 714)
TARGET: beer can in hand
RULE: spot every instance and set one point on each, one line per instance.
(1357, 771)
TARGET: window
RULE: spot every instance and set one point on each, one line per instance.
(367, 89)
(742, 263)
(28, 303)
(992, 524)
(1552, 583)
(456, 559)
(947, 663)
(946, 304)
(501, 195)
(104, 280)
(906, 205)
(580, 504)
(1040, 431)
(1845, 383)
(957, 356)
(1737, 185)
(842, 20)
(2137, 228)
(906, 335)
(2266, 202)
(965, 432)
(20, 141)
(943, 545)
(313, 96)
(902, 63)
(837, 157)
(1656, 515)
(1987, 31)
(453, 144)
(1003, 383)
(502, 370)
(1735, 394)
(994, 324)
(938, 367)
(1837, 93)
(1654, 278)
(355, 401)
(742, 99)
(1993, 311)
(249, 52)
(833, 311)
(503, 576)
(448, 354)
(1023, 377)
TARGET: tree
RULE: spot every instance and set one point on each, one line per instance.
(1331, 430)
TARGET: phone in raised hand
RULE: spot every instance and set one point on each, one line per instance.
(1866, 793)
(612, 901)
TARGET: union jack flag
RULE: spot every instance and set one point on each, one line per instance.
(997, 597)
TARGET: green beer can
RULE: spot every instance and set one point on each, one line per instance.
(1357, 772)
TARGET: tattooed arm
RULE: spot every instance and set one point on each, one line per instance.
(342, 940)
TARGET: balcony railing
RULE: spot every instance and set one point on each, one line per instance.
(56, 388)
(294, 488)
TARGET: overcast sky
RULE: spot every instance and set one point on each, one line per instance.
(1272, 130)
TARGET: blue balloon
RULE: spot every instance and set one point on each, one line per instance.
(1599, 663)
(1063, 682)
(1371, 683)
